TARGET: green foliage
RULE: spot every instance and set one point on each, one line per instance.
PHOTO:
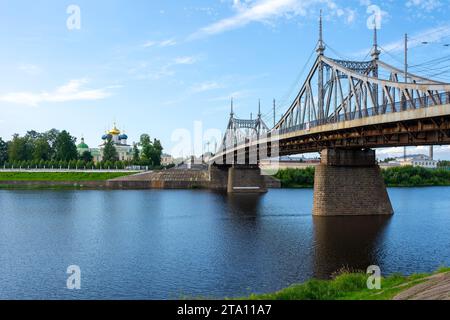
(60, 176)
(394, 177)
(57, 149)
(41, 150)
(20, 148)
(156, 153)
(65, 148)
(151, 151)
(346, 286)
(86, 156)
(3, 152)
(110, 152)
(444, 164)
(136, 154)
(296, 178)
(416, 176)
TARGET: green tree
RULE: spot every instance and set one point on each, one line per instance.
(86, 156)
(81, 164)
(109, 151)
(3, 152)
(20, 149)
(136, 154)
(41, 150)
(51, 137)
(156, 153)
(147, 148)
(65, 148)
(32, 135)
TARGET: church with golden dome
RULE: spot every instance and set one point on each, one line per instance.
(120, 141)
(124, 150)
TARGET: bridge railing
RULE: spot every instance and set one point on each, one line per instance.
(399, 106)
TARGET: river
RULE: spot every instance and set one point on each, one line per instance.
(180, 244)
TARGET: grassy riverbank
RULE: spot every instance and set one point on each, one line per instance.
(61, 176)
(347, 286)
(394, 177)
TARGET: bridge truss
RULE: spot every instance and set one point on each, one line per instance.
(241, 131)
(353, 104)
(354, 90)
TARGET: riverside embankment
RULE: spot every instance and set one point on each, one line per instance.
(353, 286)
(164, 179)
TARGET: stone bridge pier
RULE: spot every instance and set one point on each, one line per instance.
(349, 182)
(237, 178)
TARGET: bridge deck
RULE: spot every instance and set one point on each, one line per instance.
(422, 126)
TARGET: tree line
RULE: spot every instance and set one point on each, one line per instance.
(57, 149)
(406, 176)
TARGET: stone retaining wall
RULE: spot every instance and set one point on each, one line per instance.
(50, 184)
(167, 179)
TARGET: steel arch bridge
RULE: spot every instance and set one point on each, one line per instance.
(343, 110)
(346, 104)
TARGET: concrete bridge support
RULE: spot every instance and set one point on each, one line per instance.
(237, 178)
(349, 182)
(245, 179)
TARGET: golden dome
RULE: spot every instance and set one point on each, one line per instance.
(114, 131)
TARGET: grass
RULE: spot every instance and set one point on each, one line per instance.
(61, 176)
(347, 286)
(44, 187)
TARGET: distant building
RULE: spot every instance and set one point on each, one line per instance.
(288, 162)
(417, 160)
(167, 159)
(82, 147)
(124, 150)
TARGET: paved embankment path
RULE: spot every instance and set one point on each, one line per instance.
(174, 179)
(167, 175)
(436, 287)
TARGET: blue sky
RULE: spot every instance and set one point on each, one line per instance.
(159, 66)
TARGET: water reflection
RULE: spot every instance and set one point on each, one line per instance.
(349, 242)
(169, 244)
(244, 204)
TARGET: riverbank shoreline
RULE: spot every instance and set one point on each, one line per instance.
(164, 179)
(353, 286)
(404, 177)
(401, 177)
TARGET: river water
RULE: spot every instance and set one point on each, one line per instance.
(180, 244)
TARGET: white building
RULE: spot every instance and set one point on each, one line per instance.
(124, 150)
(167, 159)
(418, 160)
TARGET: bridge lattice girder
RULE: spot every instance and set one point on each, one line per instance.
(350, 90)
(353, 90)
(243, 130)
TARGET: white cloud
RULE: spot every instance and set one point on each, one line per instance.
(430, 35)
(146, 71)
(71, 91)
(206, 86)
(185, 60)
(248, 11)
(426, 5)
(149, 44)
(168, 43)
(162, 43)
(235, 95)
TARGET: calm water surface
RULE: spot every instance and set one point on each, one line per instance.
(174, 244)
